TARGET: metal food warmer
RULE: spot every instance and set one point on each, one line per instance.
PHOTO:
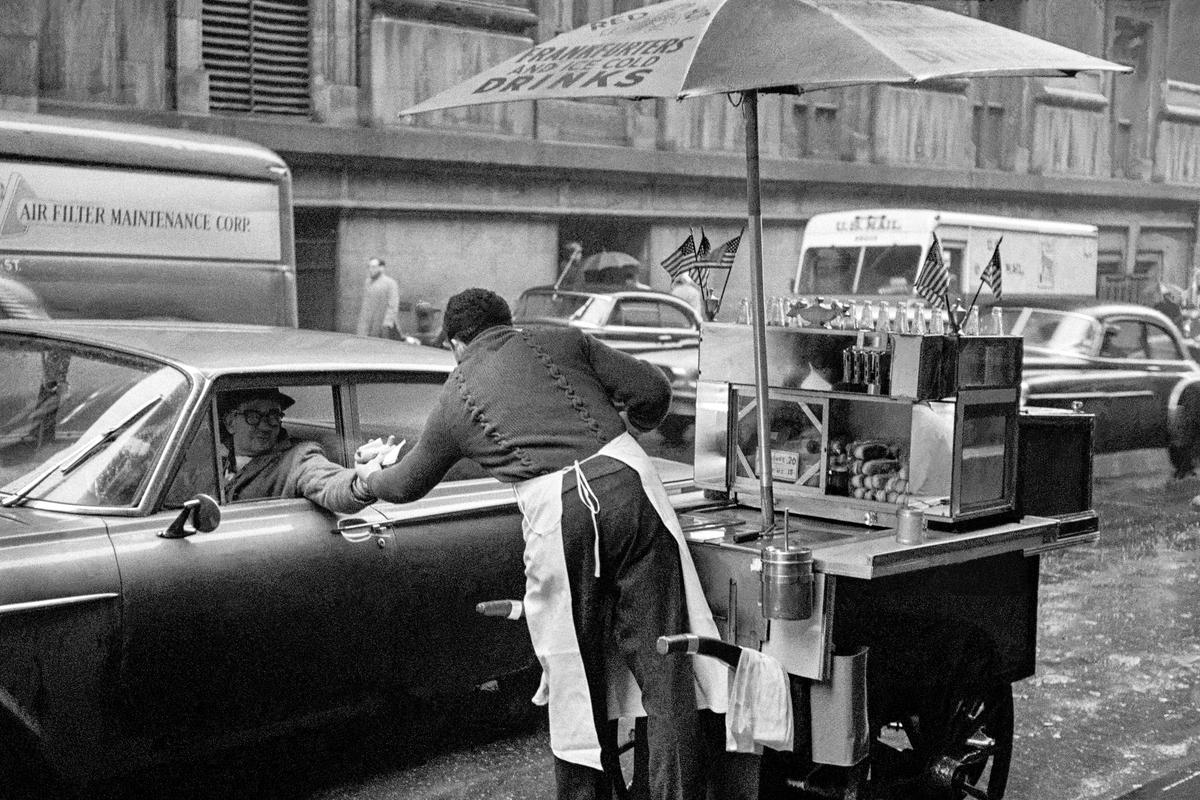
(898, 585)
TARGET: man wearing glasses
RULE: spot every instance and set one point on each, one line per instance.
(262, 460)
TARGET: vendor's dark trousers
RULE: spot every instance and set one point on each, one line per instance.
(637, 598)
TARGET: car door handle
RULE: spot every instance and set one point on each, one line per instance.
(1153, 368)
(355, 525)
(664, 337)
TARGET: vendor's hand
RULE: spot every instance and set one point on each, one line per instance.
(365, 469)
(386, 453)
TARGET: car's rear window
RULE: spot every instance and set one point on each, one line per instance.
(548, 306)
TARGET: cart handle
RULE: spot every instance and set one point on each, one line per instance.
(730, 654)
(512, 609)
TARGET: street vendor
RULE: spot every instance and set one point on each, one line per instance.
(605, 561)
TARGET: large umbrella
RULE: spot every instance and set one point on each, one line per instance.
(690, 48)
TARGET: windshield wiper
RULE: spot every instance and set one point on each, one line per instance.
(77, 459)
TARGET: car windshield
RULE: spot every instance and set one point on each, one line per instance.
(561, 305)
(81, 426)
(885, 270)
(1062, 331)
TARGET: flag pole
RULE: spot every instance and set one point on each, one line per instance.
(758, 309)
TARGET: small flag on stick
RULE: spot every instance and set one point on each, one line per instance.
(683, 259)
(991, 273)
(933, 283)
(721, 261)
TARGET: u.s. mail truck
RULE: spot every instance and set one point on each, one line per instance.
(878, 253)
(122, 221)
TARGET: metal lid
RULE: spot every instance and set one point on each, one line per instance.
(777, 555)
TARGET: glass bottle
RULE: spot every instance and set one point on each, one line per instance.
(972, 325)
(867, 323)
(918, 323)
(997, 321)
(937, 321)
(883, 322)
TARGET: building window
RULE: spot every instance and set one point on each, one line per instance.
(256, 53)
(987, 134)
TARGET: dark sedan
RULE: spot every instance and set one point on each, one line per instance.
(142, 621)
(1127, 364)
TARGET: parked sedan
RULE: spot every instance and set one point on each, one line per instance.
(141, 621)
(1127, 364)
(634, 321)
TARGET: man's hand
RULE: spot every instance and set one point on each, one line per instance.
(384, 454)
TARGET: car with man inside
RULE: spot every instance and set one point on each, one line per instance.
(151, 611)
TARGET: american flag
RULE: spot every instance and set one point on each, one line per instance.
(991, 273)
(683, 259)
(726, 254)
(933, 282)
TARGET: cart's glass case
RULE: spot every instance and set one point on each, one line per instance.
(863, 423)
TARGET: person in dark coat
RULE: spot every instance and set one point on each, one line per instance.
(607, 570)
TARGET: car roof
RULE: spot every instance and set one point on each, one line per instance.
(604, 291)
(217, 348)
(1094, 308)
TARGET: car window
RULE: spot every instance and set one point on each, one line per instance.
(672, 317)
(399, 409)
(1161, 344)
(639, 313)
(888, 270)
(308, 416)
(1123, 339)
(82, 426)
(828, 270)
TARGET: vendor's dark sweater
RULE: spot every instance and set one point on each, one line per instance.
(525, 403)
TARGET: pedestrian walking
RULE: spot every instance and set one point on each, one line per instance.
(380, 312)
(606, 563)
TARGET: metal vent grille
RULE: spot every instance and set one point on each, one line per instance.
(256, 55)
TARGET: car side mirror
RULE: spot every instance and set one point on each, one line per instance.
(201, 514)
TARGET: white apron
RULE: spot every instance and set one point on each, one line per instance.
(551, 627)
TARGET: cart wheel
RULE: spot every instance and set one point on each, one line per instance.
(961, 750)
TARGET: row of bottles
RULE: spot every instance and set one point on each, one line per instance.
(899, 317)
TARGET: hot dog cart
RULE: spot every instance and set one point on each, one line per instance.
(898, 582)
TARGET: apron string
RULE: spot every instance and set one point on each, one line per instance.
(589, 499)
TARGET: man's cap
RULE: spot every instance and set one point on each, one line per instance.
(472, 311)
(229, 401)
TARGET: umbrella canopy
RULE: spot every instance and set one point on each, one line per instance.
(690, 48)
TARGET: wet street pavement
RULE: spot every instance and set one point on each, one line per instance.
(1116, 700)
(1115, 703)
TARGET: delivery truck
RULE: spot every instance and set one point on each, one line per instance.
(876, 254)
(120, 221)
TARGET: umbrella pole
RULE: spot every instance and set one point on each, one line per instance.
(758, 308)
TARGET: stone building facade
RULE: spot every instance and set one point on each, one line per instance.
(488, 195)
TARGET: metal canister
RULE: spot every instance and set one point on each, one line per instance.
(910, 526)
(787, 583)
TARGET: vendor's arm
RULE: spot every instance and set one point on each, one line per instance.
(637, 386)
(423, 468)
